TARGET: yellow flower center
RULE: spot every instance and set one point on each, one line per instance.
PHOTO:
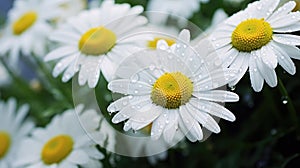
(153, 43)
(97, 41)
(57, 149)
(172, 90)
(297, 7)
(5, 142)
(24, 22)
(251, 35)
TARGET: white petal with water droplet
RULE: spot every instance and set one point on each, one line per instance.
(217, 96)
(257, 80)
(126, 86)
(287, 39)
(213, 109)
(284, 60)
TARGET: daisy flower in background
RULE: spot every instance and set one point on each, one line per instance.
(27, 28)
(63, 142)
(71, 8)
(92, 42)
(183, 8)
(13, 129)
(257, 38)
(173, 89)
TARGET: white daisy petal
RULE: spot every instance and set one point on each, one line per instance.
(215, 79)
(229, 57)
(282, 11)
(78, 157)
(205, 119)
(262, 9)
(292, 51)
(70, 72)
(60, 52)
(217, 96)
(287, 39)
(241, 64)
(268, 57)
(257, 80)
(267, 73)
(284, 60)
(124, 101)
(128, 87)
(288, 29)
(190, 123)
(159, 125)
(213, 108)
(148, 115)
(287, 20)
(184, 36)
(67, 164)
(171, 126)
(62, 65)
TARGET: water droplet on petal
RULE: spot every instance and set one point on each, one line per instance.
(284, 99)
(152, 67)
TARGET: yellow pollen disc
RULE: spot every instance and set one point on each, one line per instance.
(251, 35)
(5, 142)
(172, 90)
(153, 43)
(97, 41)
(57, 149)
(24, 22)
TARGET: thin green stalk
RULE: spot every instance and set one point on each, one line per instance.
(289, 103)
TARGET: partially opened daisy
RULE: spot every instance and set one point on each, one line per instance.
(27, 28)
(96, 41)
(63, 143)
(174, 89)
(13, 129)
(257, 38)
(183, 8)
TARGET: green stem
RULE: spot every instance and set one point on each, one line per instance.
(289, 103)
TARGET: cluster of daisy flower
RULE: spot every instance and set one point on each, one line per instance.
(169, 86)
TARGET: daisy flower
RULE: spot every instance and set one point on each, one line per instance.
(13, 128)
(71, 8)
(94, 42)
(173, 89)
(184, 8)
(27, 28)
(257, 38)
(63, 143)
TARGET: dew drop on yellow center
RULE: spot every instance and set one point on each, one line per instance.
(24, 22)
(251, 34)
(57, 149)
(5, 142)
(153, 43)
(172, 90)
(97, 41)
